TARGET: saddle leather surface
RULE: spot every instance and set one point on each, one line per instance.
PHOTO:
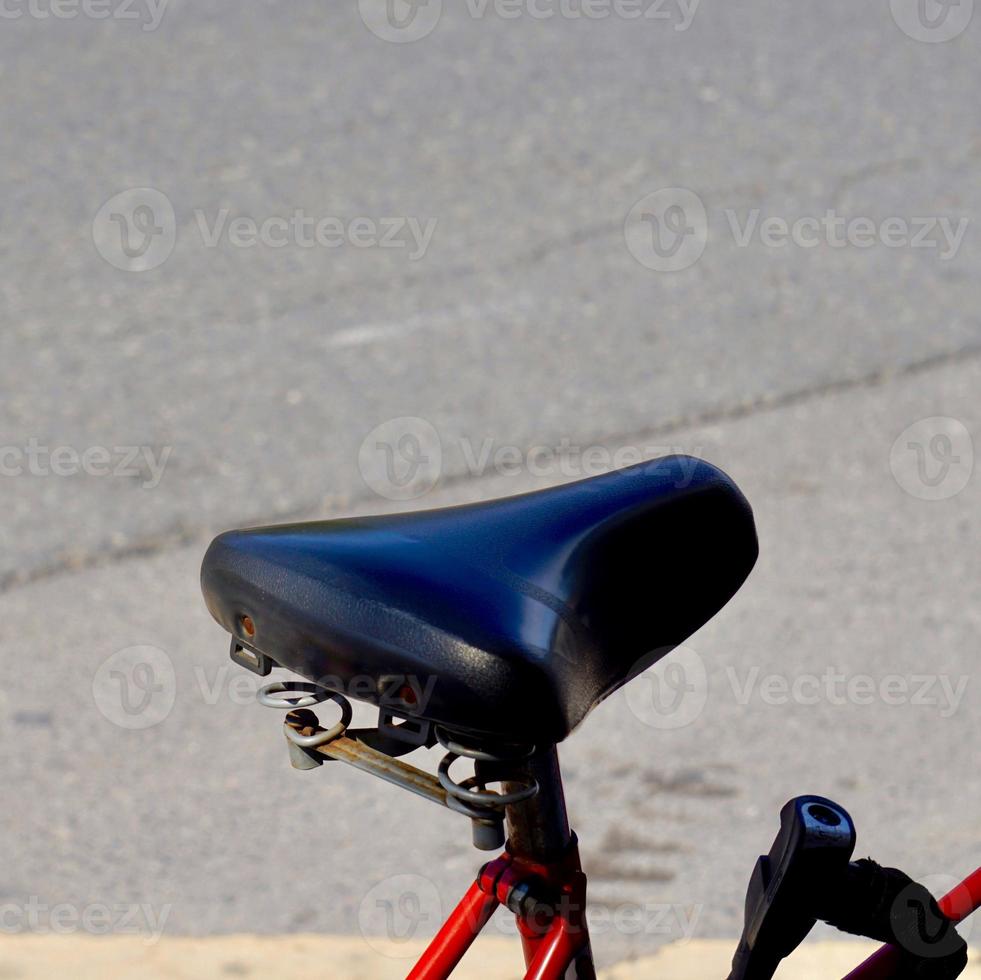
(509, 619)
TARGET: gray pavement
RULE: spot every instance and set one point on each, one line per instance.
(246, 380)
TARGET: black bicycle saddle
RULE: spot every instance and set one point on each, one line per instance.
(509, 619)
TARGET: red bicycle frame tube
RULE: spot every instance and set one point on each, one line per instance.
(554, 937)
(957, 905)
(456, 936)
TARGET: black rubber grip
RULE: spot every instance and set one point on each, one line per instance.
(886, 904)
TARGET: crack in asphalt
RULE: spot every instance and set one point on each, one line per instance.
(537, 253)
(181, 534)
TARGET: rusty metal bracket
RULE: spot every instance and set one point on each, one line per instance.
(374, 751)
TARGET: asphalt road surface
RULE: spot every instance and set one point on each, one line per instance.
(290, 260)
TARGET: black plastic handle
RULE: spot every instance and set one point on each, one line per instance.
(811, 851)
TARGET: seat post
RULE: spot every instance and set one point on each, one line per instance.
(538, 828)
(539, 834)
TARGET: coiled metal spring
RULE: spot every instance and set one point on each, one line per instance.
(292, 695)
(471, 796)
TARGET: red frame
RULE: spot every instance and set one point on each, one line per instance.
(552, 942)
(552, 946)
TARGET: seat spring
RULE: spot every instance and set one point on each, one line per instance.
(498, 764)
(294, 695)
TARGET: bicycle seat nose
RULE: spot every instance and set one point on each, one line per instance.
(511, 618)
